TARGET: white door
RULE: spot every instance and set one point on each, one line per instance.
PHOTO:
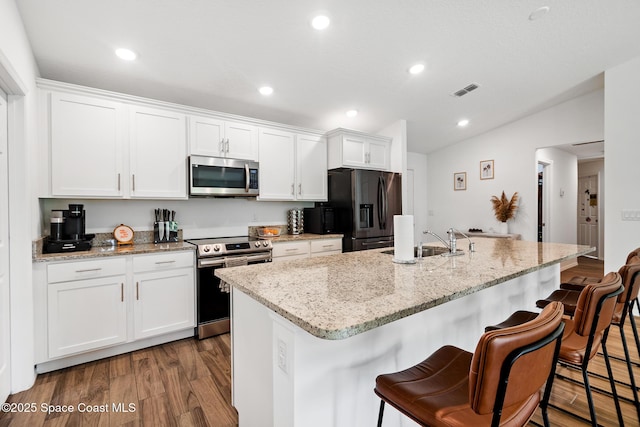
(164, 302)
(588, 201)
(277, 165)
(158, 154)
(87, 137)
(206, 137)
(5, 353)
(311, 168)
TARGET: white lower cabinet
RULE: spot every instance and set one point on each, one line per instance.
(286, 251)
(97, 304)
(324, 247)
(86, 314)
(164, 300)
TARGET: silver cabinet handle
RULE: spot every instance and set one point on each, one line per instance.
(133, 182)
(300, 189)
(137, 292)
(86, 270)
(292, 250)
(118, 182)
(221, 146)
(121, 292)
(227, 145)
(166, 262)
(293, 191)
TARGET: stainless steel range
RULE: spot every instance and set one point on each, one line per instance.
(213, 301)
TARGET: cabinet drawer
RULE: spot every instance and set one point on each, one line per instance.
(164, 261)
(290, 248)
(327, 245)
(79, 270)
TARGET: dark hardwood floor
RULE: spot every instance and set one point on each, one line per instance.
(187, 383)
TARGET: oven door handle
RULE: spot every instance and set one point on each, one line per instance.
(219, 262)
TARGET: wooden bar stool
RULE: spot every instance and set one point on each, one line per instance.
(493, 386)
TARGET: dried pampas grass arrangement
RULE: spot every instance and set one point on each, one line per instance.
(503, 208)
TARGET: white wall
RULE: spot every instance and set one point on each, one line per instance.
(201, 217)
(16, 56)
(622, 151)
(513, 148)
(562, 184)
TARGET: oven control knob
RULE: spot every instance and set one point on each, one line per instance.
(206, 249)
(216, 248)
(257, 244)
(265, 243)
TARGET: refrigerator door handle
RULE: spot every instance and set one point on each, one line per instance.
(382, 218)
(385, 202)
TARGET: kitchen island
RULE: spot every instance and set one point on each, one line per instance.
(310, 336)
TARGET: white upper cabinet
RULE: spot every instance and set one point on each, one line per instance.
(86, 139)
(292, 166)
(311, 168)
(106, 148)
(222, 138)
(354, 149)
(158, 154)
(277, 165)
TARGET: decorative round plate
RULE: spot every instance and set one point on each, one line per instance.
(123, 234)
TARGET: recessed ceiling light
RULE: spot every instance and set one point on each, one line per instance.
(539, 13)
(126, 54)
(352, 113)
(462, 123)
(320, 22)
(266, 90)
(416, 69)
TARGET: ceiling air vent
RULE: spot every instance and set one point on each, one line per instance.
(465, 90)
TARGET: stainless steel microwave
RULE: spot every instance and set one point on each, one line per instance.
(216, 176)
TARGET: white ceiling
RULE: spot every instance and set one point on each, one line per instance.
(216, 53)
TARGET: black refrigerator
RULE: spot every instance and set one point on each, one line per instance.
(364, 203)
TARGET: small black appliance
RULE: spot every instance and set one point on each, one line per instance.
(68, 231)
(319, 220)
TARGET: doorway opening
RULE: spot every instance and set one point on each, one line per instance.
(543, 202)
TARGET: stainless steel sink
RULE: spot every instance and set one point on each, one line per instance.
(427, 251)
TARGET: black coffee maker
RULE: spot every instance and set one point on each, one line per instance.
(68, 231)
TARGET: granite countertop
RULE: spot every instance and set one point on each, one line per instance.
(105, 251)
(342, 295)
(104, 246)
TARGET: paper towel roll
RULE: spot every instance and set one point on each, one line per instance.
(403, 238)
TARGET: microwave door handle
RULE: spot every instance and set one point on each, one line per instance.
(246, 178)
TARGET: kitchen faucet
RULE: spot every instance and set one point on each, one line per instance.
(451, 245)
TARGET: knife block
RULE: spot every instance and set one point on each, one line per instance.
(169, 231)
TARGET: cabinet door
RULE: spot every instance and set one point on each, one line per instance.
(241, 141)
(158, 154)
(164, 302)
(277, 163)
(311, 168)
(86, 143)
(378, 155)
(86, 315)
(354, 151)
(206, 136)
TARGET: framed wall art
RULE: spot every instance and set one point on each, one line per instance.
(486, 169)
(460, 181)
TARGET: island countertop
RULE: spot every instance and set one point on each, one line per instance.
(338, 296)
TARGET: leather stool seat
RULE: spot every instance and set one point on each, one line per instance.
(569, 298)
(517, 318)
